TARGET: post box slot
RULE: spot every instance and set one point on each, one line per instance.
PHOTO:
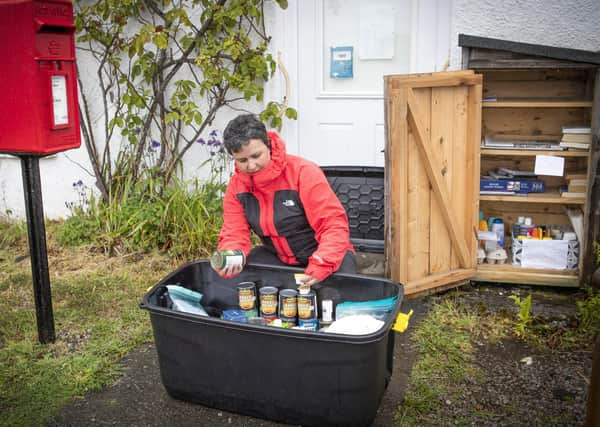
(48, 25)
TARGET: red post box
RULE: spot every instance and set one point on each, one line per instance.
(38, 78)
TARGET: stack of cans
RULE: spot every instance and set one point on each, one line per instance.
(293, 308)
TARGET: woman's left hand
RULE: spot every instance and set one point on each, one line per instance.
(309, 280)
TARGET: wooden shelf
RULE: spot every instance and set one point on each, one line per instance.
(532, 153)
(554, 198)
(537, 103)
(507, 273)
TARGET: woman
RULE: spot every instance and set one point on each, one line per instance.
(287, 201)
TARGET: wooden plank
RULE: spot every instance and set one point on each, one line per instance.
(433, 171)
(493, 273)
(473, 168)
(399, 80)
(419, 197)
(535, 198)
(541, 103)
(437, 280)
(531, 153)
(530, 122)
(437, 289)
(535, 84)
(388, 108)
(396, 186)
(456, 78)
(442, 121)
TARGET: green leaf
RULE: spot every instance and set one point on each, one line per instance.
(291, 113)
(171, 117)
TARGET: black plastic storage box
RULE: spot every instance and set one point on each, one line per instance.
(293, 376)
(361, 191)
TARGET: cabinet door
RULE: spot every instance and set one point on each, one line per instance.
(433, 131)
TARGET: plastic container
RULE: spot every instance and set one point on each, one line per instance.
(361, 191)
(498, 228)
(293, 376)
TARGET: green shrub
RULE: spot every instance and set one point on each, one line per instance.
(183, 220)
(524, 314)
(77, 230)
(589, 312)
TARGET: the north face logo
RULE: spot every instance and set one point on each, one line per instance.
(288, 203)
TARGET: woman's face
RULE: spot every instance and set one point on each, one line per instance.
(253, 156)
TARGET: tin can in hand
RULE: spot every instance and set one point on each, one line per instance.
(221, 259)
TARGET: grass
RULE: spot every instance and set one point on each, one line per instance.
(444, 366)
(97, 321)
(95, 296)
(444, 349)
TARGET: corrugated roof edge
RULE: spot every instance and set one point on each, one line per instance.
(575, 55)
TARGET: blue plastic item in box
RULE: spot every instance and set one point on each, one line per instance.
(379, 309)
(235, 316)
(186, 300)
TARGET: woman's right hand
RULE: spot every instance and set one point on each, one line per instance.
(230, 271)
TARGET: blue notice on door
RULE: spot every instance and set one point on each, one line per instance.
(340, 66)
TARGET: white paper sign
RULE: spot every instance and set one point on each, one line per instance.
(377, 29)
(549, 165)
(59, 100)
(545, 254)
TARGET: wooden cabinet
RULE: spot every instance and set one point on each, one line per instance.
(434, 125)
(532, 105)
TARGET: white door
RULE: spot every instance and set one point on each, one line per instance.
(340, 108)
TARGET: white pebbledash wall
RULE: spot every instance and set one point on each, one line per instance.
(572, 24)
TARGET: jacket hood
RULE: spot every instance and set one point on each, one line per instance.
(273, 169)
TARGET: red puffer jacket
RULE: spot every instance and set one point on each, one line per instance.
(291, 207)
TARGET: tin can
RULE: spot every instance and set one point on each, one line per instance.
(288, 306)
(268, 301)
(307, 306)
(247, 295)
(221, 259)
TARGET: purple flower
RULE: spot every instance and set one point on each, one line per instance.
(214, 142)
(155, 144)
(138, 129)
(213, 133)
(201, 141)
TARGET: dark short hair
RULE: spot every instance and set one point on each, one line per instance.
(241, 130)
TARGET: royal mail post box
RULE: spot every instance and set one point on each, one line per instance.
(38, 79)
